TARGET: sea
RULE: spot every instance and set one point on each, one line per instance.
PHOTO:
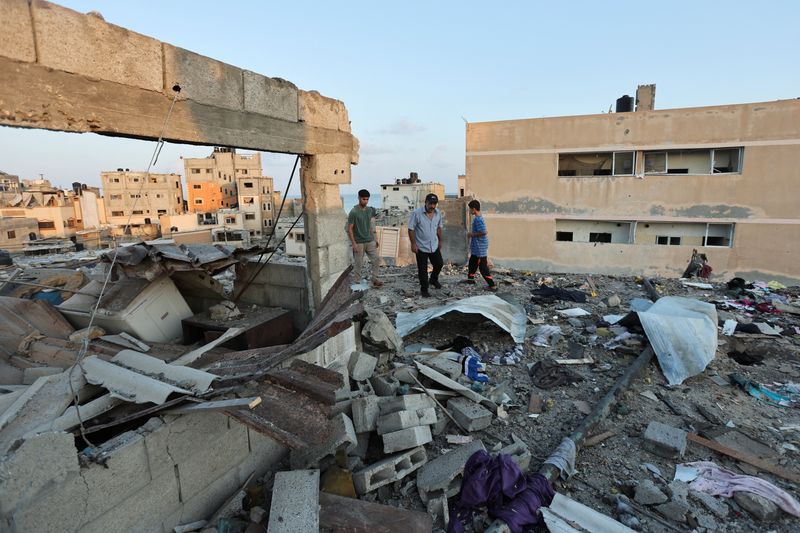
(350, 200)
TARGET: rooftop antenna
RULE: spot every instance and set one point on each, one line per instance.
(465, 120)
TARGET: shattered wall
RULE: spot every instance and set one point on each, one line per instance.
(512, 168)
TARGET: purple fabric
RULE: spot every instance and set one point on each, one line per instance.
(498, 484)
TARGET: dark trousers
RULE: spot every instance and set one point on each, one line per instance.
(422, 267)
(481, 263)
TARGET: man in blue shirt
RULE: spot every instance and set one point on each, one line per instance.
(425, 233)
(478, 247)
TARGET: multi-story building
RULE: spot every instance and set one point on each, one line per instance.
(53, 208)
(16, 231)
(407, 194)
(255, 202)
(634, 192)
(140, 197)
(211, 181)
(225, 226)
(9, 183)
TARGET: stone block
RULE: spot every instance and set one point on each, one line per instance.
(22, 476)
(327, 168)
(519, 452)
(388, 470)
(365, 413)
(443, 474)
(295, 502)
(88, 45)
(438, 511)
(211, 497)
(380, 332)
(322, 112)
(265, 453)
(323, 198)
(472, 416)
(448, 367)
(384, 386)
(406, 438)
(408, 402)
(406, 419)
(63, 503)
(343, 436)
(718, 507)
(442, 421)
(674, 510)
(761, 508)
(16, 31)
(202, 79)
(361, 365)
(273, 97)
(648, 494)
(664, 440)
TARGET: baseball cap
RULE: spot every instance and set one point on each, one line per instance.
(431, 199)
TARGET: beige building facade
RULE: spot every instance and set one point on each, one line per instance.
(256, 205)
(635, 192)
(16, 231)
(211, 182)
(141, 196)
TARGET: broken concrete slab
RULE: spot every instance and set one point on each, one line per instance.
(664, 440)
(338, 513)
(443, 380)
(406, 438)
(406, 419)
(379, 331)
(361, 365)
(519, 452)
(388, 470)
(716, 506)
(648, 494)
(365, 413)
(408, 402)
(343, 436)
(438, 510)
(295, 502)
(674, 510)
(761, 508)
(443, 474)
(470, 415)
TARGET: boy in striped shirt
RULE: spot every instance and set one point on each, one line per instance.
(478, 247)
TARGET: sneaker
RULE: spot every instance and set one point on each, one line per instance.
(425, 293)
(436, 284)
(377, 283)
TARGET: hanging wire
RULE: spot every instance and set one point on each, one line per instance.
(85, 343)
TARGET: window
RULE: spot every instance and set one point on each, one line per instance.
(599, 237)
(249, 216)
(136, 180)
(726, 160)
(47, 224)
(597, 164)
(136, 195)
(564, 236)
(11, 234)
(269, 207)
(158, 195)
(248, 200)
(208, 171)
(672, 241)
(195, 171)
(269, 222)
(265, 223)
(715, 161)
(684, 234)
(162, 211)
(244, 171)
(153, 180)
(395, 188)
(116, 197)
(655, 162)
(113, 214)
(138, 212)
(230, 220)
(177, 184)
(300, 237)
(197, 186)
(623, 163)
(198, 201)
(248, 185)
(116, 180)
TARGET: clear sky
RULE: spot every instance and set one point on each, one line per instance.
(411, 72)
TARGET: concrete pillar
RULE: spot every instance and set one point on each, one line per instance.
(328, 251)
(646, 97)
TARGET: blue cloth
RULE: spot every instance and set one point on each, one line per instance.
(479, 246)
(425, 229)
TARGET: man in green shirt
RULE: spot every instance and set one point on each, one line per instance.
(362, 237)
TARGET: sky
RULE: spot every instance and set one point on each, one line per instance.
(411, 73)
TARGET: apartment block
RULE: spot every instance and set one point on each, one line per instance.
(634, 192)
(407, 194)
(52, 208)
(256, 204)
(141, 196)
(211, 182)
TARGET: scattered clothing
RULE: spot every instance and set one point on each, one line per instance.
(563, 457)
(545, 334)
(471, 365)
(498, 484)
(546, 293)
(548, 374)
(717, 481)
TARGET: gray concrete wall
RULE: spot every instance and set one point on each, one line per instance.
(277, 285)
(155, 478)
(454, 233)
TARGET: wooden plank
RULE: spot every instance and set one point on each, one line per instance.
(745, 458)
(217, 405)
(349, 515)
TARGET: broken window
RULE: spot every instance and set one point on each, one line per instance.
(564, 236)
(247, 200)
(162, 211)
(718, 235)
(716, 161)
(684, 234)
(593, 231)
(726, 160)
(655, 162)
(599, 237)
(597, 164)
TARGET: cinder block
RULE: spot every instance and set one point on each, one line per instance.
(343, 437)
(273, 97)
(406, 438)
(322, 112)
(388, 470)
(446, 366)
(384, 386)
(438, 511)
(519, 452)
(16, 31)
(365, 413)
(664, 440)
(211, 497)
(265, 454)
(328, 168)
(443, 474)
(84, 44)
(408, 402)
(202, 79)
(22, 475)
(472, 416)
(295, 502)
(406, 419)
(361, 365)
(362, 445)
(63, 502)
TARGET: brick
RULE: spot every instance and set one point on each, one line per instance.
(388, 470)
(443, 474)
(322, 112)
(273, 97)
(343, 437)
(365, 413)
(295, 502)
(664, 440)
(406, 419)
(472, 416)
(87, 45)
(21, 472)
(16, 31)
(202, 79)
(407, 402)
(361, 365)
(406, 438)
